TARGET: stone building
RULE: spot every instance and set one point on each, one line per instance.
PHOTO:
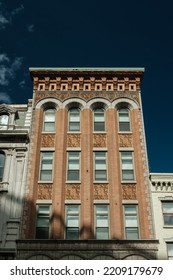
(87, 191)
(162, 200)
(14, 138)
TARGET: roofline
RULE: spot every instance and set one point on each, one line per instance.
(141, 69)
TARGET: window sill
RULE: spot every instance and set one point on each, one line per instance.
(99, 132)
(168, 226)
(101, 182)
(45, 182)
(73, 132)
(73, 182)
(48, 132)
(124, 132)
(129, 182)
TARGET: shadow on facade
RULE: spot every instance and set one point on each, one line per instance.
(14, 244)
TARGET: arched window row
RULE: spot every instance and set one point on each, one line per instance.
(99, 120)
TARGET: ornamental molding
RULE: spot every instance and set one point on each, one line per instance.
(125, 140)
(73, 140)
(111, 96)
(99, 140)
(101, 191)
(44, 191)
(72, 192)
(48, 140)
(129, 191)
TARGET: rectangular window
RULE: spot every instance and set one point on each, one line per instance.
(73, 172)
(43, 219)
(124, 120)
(74, 119)
(131, 222)
(72, 222)
(167, 207)
(49, 120)
(102, 222)
(170, 250)
(46, 166)
(127, 166)
(99, 120)
(100, 166)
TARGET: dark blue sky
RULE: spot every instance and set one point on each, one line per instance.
(94, 33)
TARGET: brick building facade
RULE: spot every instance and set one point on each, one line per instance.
(87, 192)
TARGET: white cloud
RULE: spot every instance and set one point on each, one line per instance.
(30, 27)
(22, 84)
(5, 98)
(3, 21)
(17, 10)
(8, 69)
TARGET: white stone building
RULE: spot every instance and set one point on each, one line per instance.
(15, 121)
(162, 200)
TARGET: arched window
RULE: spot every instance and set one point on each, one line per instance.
(99, 119)
(49, 120)
(2, 164)
(124, 119)
(4, 121)
(74, 119)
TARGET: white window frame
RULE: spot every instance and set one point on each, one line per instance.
(96, 122)
(124, 168)
(71, 157)
(126, 115)
(44, 215)
(42, 154)
(45, 122)
(133, 215)
(70, 122)
(101, 215)
(2, 165)
(167, 213)
(4, 123)
(169, 250)
(104, 158)
(70, 225)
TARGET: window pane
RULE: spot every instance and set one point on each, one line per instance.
(170, 250)
(99, 126)
(3, 121)
(102, 221)
(168, 207)
(74, 119)
(131, 221)
(168, 219)
(74, 126)
(127, 164)
(72, 233)
(73, 175)
(49, 120)
(100, 175)
(73, 164)
(72, 221)
(2, 162)
(100, 164)
(127, 175)
(102, 233)
(49, 127)
(42, 233)
(132, 233)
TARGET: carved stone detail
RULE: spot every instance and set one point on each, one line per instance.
(101, 191)
(129, 191)
(48, 140)
(125, 140)
(99, 140)
(44, 191)
(88, 95)
(72, 191)
(73, 140)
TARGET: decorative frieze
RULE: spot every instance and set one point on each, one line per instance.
(72, 191)
(129, 191)
(73, 140)
(44, 191)
(101, 191)
(109, 95)
(125, 140)
(48, 140)
(99, 140)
